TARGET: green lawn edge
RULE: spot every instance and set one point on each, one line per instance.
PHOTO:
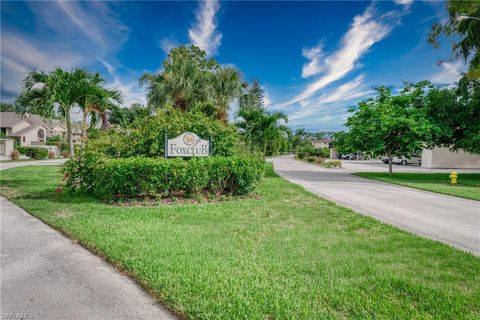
(467, 188)
(334, 308)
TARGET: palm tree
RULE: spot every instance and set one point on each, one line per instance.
(272, 128)
(227, 85)
(56, 92)
(98, 102)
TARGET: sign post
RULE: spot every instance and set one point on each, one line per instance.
(188, 144)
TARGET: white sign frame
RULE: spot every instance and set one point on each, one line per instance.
(187, 145)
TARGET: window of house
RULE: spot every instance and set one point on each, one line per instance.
(23, 138)
(40, 134)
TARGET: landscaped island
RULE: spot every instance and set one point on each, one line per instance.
(283, 254)
(468, 183)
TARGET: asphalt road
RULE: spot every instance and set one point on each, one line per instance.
(45, 275)
(452, 220)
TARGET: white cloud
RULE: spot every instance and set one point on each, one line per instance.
(314, 65)
(348, 91)
(204, 34)
(364, 32)
(131, 91)
(168, 44)
(450, 72)
(21, 54)
(405, 3)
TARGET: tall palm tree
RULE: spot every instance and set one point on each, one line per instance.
(227, 85)
(56, 92)
(97, 103)
(272, 128)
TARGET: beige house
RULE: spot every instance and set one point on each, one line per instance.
(30, 129)
(321, 143)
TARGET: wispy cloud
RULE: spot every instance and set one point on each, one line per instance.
(405, 3)
(348, 91)
(314, 66)
(167, 44)
(365, 30)
(68, 34)
(450, 72)
(204, 34)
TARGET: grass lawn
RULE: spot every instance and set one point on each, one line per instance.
(285, 254)
(468, 183)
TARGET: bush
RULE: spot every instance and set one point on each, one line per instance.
(333, 164)
(145, 137)
(22, 150)
(158, 177)
(36, 153)
(51, 154)
(65, 154)
(311, 159)
(15, 155)
(319, 160)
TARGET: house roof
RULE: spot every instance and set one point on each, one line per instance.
(9, 119)
(20, 133)
(324, 140)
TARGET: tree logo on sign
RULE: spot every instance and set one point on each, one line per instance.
(188, 139)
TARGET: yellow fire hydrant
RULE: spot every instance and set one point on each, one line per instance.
(453, 178)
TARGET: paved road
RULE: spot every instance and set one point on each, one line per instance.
(453, 220)
(44, 275)
(14, 164)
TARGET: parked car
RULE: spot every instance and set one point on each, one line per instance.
(385, 159)
(411, 159)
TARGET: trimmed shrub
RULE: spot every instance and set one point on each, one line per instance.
(319, 160)
(158, 177)
(51, 154)
(65, 154)
(36, 153)
(22, 150)
(15, 155)
(311, 159)
(333, 164)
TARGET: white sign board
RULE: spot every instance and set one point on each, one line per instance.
(188, 144)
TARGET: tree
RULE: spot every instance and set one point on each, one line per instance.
(390, 125)
(463, 28)
(52, 93)
(253, 96)
(455, 113)
(7, 107)
(188, 78)
(126, 116)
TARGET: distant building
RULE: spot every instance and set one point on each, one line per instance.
(30, 129)
(321, 143)
(437, 158)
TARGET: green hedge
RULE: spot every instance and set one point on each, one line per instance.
(158, 177)
(34, 152)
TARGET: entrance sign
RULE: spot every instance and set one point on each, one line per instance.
(188, 144)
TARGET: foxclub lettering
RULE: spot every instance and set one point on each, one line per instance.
(188, 144)
(191, 151)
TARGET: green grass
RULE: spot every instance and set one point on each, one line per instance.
(284, 254)
(468, 183)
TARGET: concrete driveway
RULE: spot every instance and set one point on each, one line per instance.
(14, 164)
(45, 275)
(452, 220)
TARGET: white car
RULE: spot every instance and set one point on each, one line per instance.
(413, 159)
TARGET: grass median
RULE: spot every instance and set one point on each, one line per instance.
(468, 183)
(282, 254)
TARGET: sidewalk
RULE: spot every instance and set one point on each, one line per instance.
(45, 275)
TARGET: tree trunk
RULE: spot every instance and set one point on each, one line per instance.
(84, 127)
(389, 165)
(265, 148)
(69, 134)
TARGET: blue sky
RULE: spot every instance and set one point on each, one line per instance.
(314, 59)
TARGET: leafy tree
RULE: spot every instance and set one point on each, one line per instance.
(7, 107)
(455, 113)
(463, 28)
(125, 116)
(188, 77)
(390, 125)
(253, 96)
(57, 92)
